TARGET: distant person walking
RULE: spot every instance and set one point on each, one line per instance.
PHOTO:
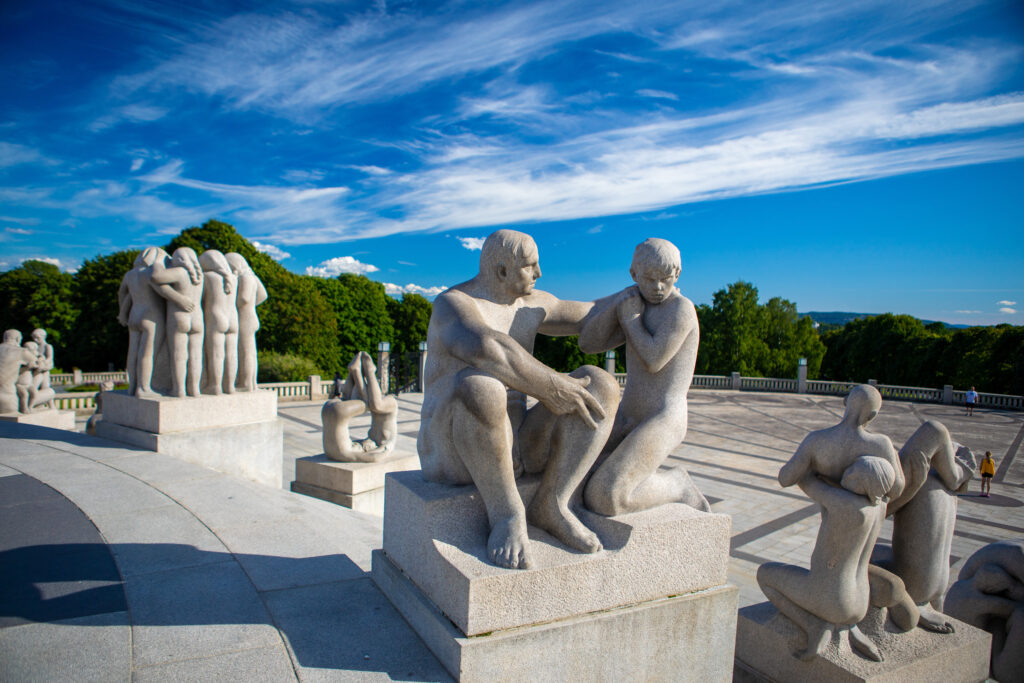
(988, 470)
(970, 398)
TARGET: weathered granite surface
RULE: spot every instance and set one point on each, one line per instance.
(164, 414)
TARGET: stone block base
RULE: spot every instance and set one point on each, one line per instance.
(355, 485)
(52, 418)
(253, 451)
(766, 641)
(371, 502)
(163, 414)
(679, 638)
(437, 535)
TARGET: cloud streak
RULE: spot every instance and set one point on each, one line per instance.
(340, 264)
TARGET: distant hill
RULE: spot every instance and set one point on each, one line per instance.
(843, 317)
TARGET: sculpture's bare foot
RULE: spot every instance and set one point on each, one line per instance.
(508, 545)
(180, 393)
(690, 495)
(933, 621)
(558, 521)
(816, 642)
(862, 644)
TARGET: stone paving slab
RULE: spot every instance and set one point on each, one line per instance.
(279, 582)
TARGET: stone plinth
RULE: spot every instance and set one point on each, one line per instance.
(355, 485)
(55, 419)
(654, 604)
(766, 641)
(164, 414)
(238, 434)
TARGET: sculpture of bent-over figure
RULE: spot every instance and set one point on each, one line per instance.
(924, 516)
(360, 391)
(475, 428)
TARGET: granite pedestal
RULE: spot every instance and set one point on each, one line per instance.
(53, 418)
(237, 434)
(766, 641)
(355, 485)
(654, 604)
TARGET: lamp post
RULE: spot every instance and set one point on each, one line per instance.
(609, 361)
(423, 367)
(383, 354)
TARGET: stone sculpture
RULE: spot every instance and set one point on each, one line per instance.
(989, 594)
(924, 516)
(45, 362)
(475, 428)
(142, 311)
(184, 318)
(660, 329)
(359, 392)
(251, 294)
(848, 471)
(94, 419)
(15, 360)
(30, 396)
(221, 321)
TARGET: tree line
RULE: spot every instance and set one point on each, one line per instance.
(315, 325)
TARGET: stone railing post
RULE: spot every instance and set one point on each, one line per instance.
(421, 379)
(383, 356)
(873, 382)
(735, 384)
(801, 376)
(315, 390)
(76, 375)
(947, 394)
(609, 362)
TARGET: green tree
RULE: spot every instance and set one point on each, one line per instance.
(410, 317)
(99, 339)
(360, 312)
(38, 294)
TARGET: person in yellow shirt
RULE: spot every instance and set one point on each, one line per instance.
(988, 470)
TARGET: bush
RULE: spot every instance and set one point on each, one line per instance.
(284, 367)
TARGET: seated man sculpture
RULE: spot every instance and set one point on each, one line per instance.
(474, 430)
(14, 359)
(359, 392)
(924, 517)
(661, 333)
(849, 472)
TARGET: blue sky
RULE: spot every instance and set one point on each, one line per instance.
(859, 156)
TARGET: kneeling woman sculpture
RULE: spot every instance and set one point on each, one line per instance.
(360, 392)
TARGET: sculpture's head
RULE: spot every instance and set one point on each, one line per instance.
(213, 260)
(12, 337)
(149, 256)
(32, 346)
(869, 476)
(39, 336)
(862, 404)
(655, 268)
(186, 258)
(238, 263)
(509, 261)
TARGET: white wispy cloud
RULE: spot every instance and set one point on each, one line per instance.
(1008, 310)
(137, 164)
(14, 154)
(1006, 303)
(398, 290)
(19, 221)
(472, 243)
(968, 312)
(339, 265)
(18, 231)
(657, 94)
(131, 113)
(270, 250)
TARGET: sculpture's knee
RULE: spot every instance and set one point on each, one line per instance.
(603, 386)
(934, 430)
(483, 397)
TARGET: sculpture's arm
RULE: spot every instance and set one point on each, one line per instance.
(798, 466)
(901, 481)
(601, 330)
(171, 294)
(657, 349)
(466, 336)
(562, 318)
(828, 495)
(261, 291)
(124, 302)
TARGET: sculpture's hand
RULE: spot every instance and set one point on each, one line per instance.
(569, 395)
(631, 306)
(965, 458)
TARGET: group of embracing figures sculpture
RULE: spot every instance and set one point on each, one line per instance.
(192, 322)
(25, 372)
(592, 446)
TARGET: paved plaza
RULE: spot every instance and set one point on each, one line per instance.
(120, 564)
